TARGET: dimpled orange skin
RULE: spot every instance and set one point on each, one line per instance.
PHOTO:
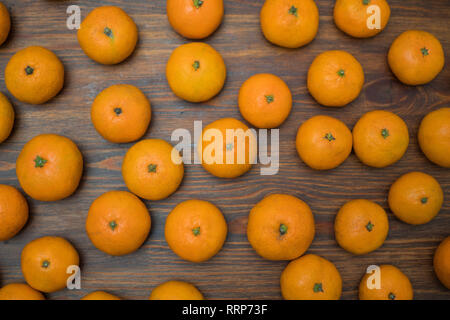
(416, 57)
(49, 167)
(206, 147)
(361, 226)
(323, 142)
(5, 23)
(289, 23)
(100, 295)
(351, 16)
(149, 171)
(280, 227)
(265, 100)
(394, 285)
(441, 262)
(196, 72)
(195, 230)
(311, 277)
(108, 35)
(34, 75)
(45, 261)
(195, 19)
(118, 223)
(121, 113)
(6, 117)
(335, 78)
(13, 212)
(176, 290)
(434, 136)
(380, 138)
(20, 291)
(415, 198)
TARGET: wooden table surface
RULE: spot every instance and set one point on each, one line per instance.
(237, 272)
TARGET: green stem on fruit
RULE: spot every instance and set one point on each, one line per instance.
(424, 200)
(369, 226)
(283, 229)
(45, 264)
(118, 111)
(329, 137)
(29, 70)
(424, 51)
(152, 167)
(112, 225)
(318, 287)
(196, 65)
(385, 133)
(198, 3)
(39, 162)
(293, 11)
(196, 231)
(108, 32)
(341, 73)
(269, 98)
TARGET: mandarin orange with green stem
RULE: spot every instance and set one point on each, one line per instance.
(361, 226)
(380, 138)
(416, 57)
(121, 113)
(416, 198)
(49, 167)
(289, 23)
(311, 277)
(434, 136)
(152, 169)
(227, 148)
(195, 19)
(394, 285)
(45, 262)
(108, 35)
(265, 100)
(13, 212)
(323, 142)
(195, 72)
(335, 78)
(34, 75)
(195, 230)
(358, 18)
(118, 223)
(280, 227)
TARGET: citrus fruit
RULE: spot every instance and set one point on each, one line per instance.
(415, 198)
(416, 57)
(34, 75)
(311, 277)
(196, 72)
(380, 138)
(361, 226)
(45, 262)
(121, 113)
(323, 142)
(280, 227)
(265, 100)
(152, 169)
(335, 78)
(195, 230)
(108, 35)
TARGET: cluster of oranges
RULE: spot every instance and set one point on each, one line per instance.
(280, 227)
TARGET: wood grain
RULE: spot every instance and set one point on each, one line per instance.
(236, 272)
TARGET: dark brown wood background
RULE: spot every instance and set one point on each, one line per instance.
(237, 272)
